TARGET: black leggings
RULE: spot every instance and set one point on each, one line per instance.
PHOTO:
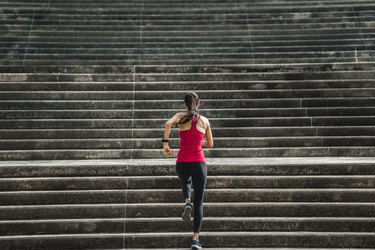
(196, 173)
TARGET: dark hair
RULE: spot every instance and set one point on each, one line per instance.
(192, 102)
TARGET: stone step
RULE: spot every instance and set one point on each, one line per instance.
(214, 69)
(303, 53)
(215, 122)
(260, 39)
(365, 44)
(193, 59)
(167, 5)
(308, 27)
(211, 239)
(169, 182)
(232, 11)
(175, 196)
(256, 22)
(175, 95)
(226, 224)
(187, 12)
(253, 21)
(311, 103)
(212, 55)
(206, 51)
(38, 25)
(152, 210)
(150, 56)
(156, 77)
(154, 143)
(218, 132)
(155, 86)
(164, 113)
(166, 167)
(197, 59)
(232, 17)
(67, 154)
(178, 61)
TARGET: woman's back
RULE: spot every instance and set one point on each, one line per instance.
(191, 140)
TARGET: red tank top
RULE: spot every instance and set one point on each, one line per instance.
(191, 144)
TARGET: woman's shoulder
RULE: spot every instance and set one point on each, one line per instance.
(204, 119)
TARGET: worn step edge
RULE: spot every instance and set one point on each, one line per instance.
(165, 182)
(13, 198)
(143, 210)
(360, 151)
(230, 224)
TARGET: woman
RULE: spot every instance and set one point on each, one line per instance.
(191, 164)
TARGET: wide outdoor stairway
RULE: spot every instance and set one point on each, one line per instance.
(86, 87)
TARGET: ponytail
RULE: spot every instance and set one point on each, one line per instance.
(192, 102)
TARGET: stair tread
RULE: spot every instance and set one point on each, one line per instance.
(216, 161)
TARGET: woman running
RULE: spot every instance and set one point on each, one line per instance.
(191, 164)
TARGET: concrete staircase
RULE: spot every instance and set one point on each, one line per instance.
(87, 85)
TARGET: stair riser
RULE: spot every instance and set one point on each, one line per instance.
(172, 182)
(176, 95)
(127, 123)
(254, 21)
(137, 114)
(365, 57)
(155, 144)
(205, 58)
(261, 32)
(177, 225)
(192, 14)
(150, 6)
(322, 103)
(363, 151)
(137, 52)
(190, 48)
(219, 132)
(184, 59)
(164, 169)
(186, 86)
(175, 196)
(187, 77)
(171, 210)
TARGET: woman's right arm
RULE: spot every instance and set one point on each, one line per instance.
(208, 142)
(167, 130)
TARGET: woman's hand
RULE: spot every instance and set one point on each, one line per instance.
(167, 150)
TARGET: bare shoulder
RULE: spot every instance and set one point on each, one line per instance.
(204, 120)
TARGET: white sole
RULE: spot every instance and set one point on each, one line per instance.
(196, 247)
(186, 216)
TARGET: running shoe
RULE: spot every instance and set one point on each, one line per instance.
(196, 244)
(186, 215)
